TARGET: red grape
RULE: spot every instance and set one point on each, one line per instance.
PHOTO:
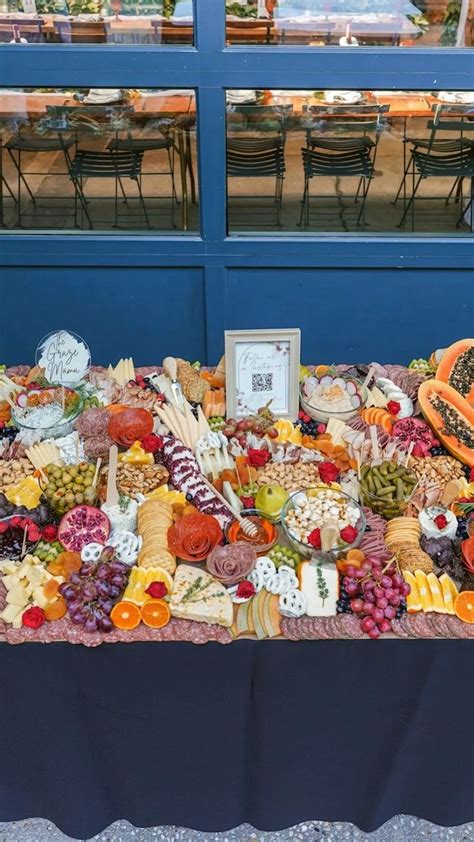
(378, 592)
(374, 633)
(367, 624)
(360, 574)
(357, 606)
(395, 600)
(382, 602)
(386, 582)
(390, 612)
(377, 614)
(397, 580)
(385, 626)
(367, 607)
(351, 571)
(405, 589)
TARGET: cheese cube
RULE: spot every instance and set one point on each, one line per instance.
(316, 578)
(9, 613)
(17, 596)
(39, 597)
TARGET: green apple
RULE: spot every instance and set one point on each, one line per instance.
(270, 501)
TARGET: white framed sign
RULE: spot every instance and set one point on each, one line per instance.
(65, 357)
(262, 366)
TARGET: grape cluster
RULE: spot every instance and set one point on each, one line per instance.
(280, 554)
(309, 427)
(377, 595)
(260, 424)
(343, 605)
(90, 594)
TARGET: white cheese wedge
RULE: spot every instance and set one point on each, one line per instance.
(8, 567)
(10, 581)
(17, 596)
(198, 596)
(314, 579)
(35, 576)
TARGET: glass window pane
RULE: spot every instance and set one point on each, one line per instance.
(136, 22)
(371, 23)
(98, 159)
(372, 162)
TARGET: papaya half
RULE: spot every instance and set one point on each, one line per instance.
(451, 418)
(457, 368)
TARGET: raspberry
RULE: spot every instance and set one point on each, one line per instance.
(349, 534)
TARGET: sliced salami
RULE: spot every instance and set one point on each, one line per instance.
(457, 627)
(399, 630)
(406, 621)
(289, 628)
(422, 625)
(351, 626)
(320, 628)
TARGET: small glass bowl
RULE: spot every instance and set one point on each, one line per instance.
(307, 550)
(14, 553)
(387, 508)
(323, 415)
(62, 427)
(233, 533)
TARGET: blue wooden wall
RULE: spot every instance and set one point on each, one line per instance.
(344, 314)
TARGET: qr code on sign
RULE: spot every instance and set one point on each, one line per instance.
(262, 382)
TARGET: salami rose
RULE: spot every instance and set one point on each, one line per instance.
(232, 563)
(130, 425)
(194, 536)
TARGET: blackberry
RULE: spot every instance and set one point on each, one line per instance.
(461, 531)
(467, 471)
(439, 450)
(8, 433)
(401, 609)
(308, 428)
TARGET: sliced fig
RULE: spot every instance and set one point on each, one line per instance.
(83, 525)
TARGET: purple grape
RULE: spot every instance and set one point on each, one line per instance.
(107, 605)
(119, 580)
(69, 592)
(119, 567)
(103, 588)
(103, 571)
(106, 624)
(89, 591)
(78, 617)
(114, 591)
(74, 606)
(87, 569)
(90, 624)
(75, 579)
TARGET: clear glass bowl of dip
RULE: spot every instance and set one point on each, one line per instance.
(47, 416)
(318, 408)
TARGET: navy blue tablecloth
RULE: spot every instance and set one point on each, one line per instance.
(270, 733)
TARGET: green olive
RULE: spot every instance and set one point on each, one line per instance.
(73, 471)
(83, 466)
(79, 498)
(57, 473)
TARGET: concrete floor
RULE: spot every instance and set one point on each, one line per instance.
(335, 212)
(399, 829)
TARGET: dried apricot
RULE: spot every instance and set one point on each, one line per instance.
(55, 610)
(50, 589)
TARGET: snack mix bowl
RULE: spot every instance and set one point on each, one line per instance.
(387, 488)
(50, 419)
(311, 509)
(332, 396)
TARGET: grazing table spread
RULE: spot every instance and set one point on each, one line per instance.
(134, 510)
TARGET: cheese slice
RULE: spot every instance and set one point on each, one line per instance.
(336, 428)
(436, 593)
(258, 615)
(271, 615)
(450, 592)
(39, 597)
(198, 596)
(312, 582)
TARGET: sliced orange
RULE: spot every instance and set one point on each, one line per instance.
(55, 610)
(464, 606)
(125, 615)
(155, 613)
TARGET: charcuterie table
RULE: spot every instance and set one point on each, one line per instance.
(239, 594)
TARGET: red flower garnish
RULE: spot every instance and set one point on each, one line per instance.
(245, 590)
(349, 534)
(441, 521)
(15, 521)
(152, 443)
(4, 526)
(157, 590)
(50, 532)
(33, 617)
(257, 458)
(393, 407)
(248, 502)
(328, 471)
(314, 538)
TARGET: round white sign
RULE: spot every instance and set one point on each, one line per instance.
(65, 357)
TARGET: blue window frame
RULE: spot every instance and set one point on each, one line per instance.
(422, 264)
